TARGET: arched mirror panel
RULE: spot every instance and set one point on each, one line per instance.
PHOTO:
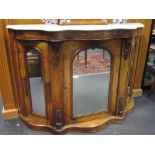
(91, 78)
(36, 81)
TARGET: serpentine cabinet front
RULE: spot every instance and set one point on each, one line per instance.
(51, 100)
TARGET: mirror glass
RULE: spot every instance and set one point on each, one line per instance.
(91, 77)
(36, 82)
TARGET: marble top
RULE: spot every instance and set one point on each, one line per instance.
(43, 27)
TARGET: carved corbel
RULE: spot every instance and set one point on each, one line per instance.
(58, 118)
(127, 48)
(129, 44)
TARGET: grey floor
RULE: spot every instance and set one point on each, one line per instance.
(140, 122)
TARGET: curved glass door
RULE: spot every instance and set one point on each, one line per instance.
(91, 78)
(36, 82)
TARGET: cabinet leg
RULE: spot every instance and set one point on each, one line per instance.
(9, 114)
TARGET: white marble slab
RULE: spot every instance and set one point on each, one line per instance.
(43, 27)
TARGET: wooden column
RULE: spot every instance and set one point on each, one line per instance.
(9, 107)
(143, 49)
(142, 53)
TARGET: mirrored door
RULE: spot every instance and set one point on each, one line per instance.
(91, 78)
(36, 81)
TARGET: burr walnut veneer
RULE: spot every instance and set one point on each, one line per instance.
(57, 46)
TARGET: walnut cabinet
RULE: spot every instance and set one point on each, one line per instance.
(52, 100)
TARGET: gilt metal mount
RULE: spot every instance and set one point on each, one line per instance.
(58, 119)
(127, 48)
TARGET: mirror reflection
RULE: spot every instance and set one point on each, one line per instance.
(36, 82)
(91, 77)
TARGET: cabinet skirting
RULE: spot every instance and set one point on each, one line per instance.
(101, 121)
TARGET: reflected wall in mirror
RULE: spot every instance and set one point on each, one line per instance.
(36, 82)
(91, 78)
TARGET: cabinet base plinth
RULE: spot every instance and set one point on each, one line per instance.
(137, 92)
(83, 126)
(9, 114)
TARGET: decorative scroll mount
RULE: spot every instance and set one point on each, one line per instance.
(58, 119)
(127, 48)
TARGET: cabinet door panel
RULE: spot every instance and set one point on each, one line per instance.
(36, 81)
(91, 77)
